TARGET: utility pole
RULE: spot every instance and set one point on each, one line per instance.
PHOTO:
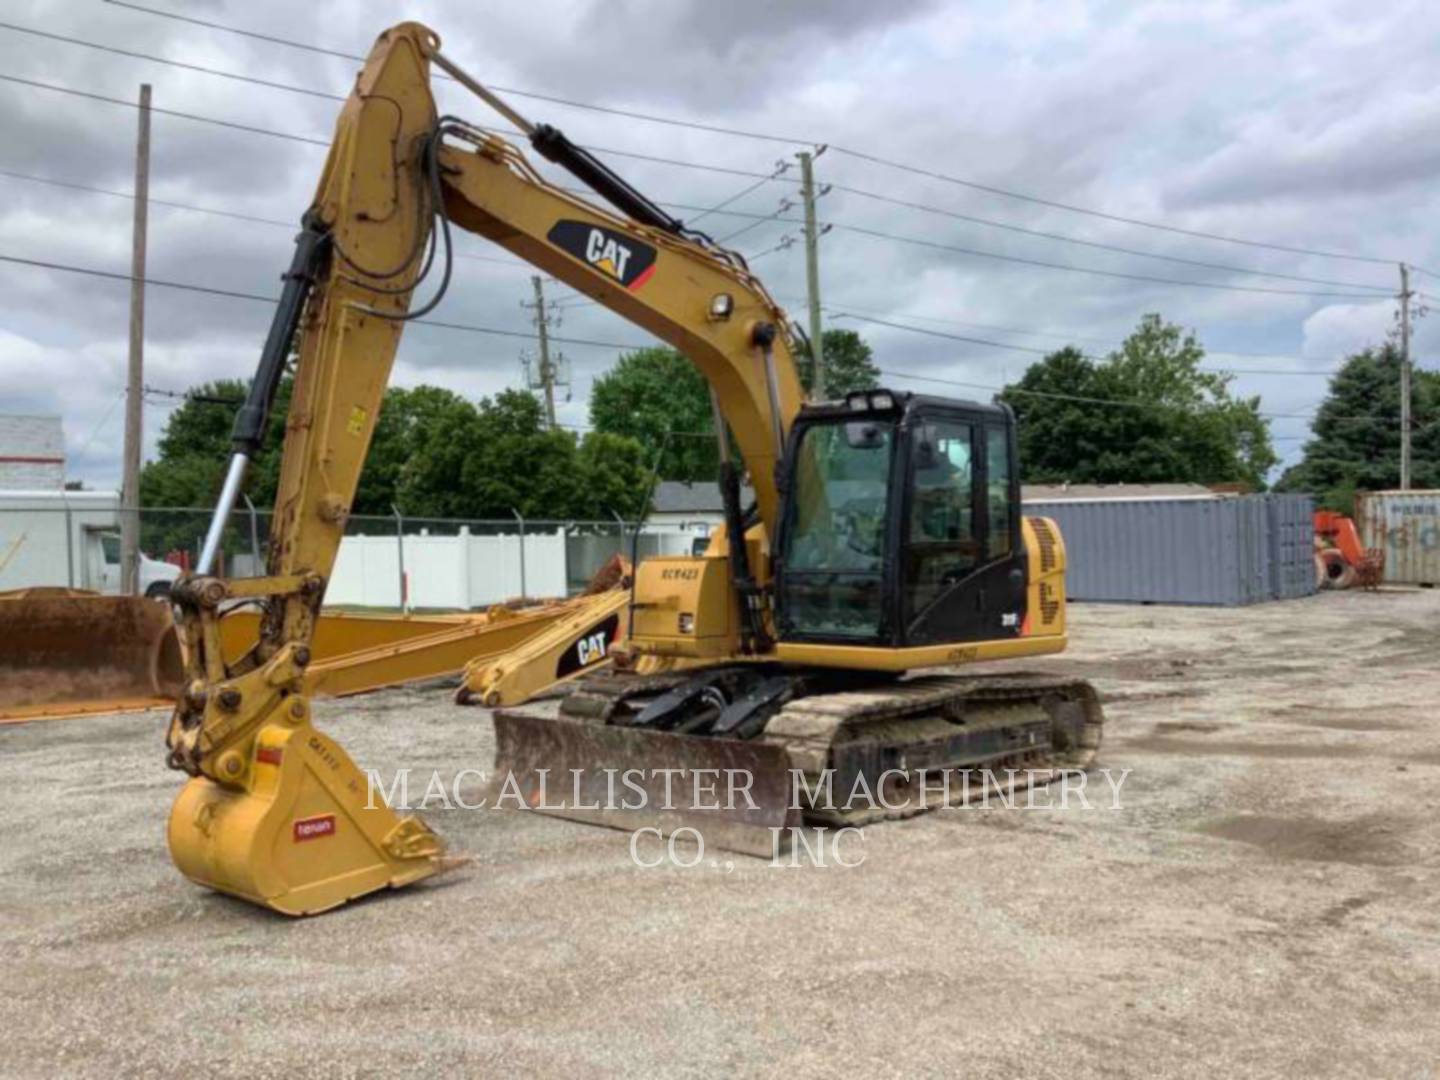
(135, 381)
(812, 272)
(1404, 377)
(549, 373)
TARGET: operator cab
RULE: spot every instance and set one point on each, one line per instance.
(901, 523)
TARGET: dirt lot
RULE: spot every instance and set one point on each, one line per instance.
(1263, 902)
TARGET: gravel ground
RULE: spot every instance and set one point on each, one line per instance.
(1263, 901)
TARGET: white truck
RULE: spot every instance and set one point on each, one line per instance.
(69, 538)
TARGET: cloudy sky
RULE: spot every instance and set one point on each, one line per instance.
(1306, 125)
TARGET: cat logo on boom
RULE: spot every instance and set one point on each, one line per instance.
(614, 254)
(590, 648)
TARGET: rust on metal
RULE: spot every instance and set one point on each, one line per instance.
(64, 652)
(735, 794)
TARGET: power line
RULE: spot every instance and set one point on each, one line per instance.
(786, 241)
(100, 424)
(590, 106)
(190, 395)
(935, 244)
(235, 294)
(1139, 222)
(292, 226)
(152, 58)
(576, 302)
(725, 169)
(1085, 400)
(164, 112)
(1066, 337)
(784, 205)
(1062, 238)
(974, 219)
(780, 169)
(856, 154)
(1046, 352)
(857, 229)
(211, 399)
(1028, 349)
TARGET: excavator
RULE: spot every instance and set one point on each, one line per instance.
(885, 537)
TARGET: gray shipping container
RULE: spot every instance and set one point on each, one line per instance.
(1221, 550)
(1406, 526)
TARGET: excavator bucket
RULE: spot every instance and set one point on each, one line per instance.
(298, 830)
(64, 652)
(733, 794)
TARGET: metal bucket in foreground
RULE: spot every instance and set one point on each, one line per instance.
(64, 652)
(736, 794)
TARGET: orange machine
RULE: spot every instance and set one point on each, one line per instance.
(1341, 561)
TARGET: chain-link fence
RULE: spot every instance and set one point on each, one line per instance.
(384, 561)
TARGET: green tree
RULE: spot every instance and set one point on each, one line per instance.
(615, 478)
(511, 462)
(849, 364)
(1355, 443)
(411, 422)
(660, 399)
(193, 451)
(1177, 422)
(433, 453)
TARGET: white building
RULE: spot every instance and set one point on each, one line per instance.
(32, 453)
(692, 507)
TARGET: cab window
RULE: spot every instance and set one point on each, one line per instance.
(943, 546)
(835, 548)
(997, 485)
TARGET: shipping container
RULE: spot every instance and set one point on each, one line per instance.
(1405, 525)
(1217, 549)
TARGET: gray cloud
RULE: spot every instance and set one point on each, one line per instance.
(1298, 122)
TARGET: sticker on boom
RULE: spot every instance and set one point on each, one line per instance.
(612, 253)
(592, 647)
(313, 828)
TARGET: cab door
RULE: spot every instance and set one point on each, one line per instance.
(962, 568)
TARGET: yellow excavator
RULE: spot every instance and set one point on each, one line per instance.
(885, 536)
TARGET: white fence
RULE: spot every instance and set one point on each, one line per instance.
(53, 538)
(471, 570)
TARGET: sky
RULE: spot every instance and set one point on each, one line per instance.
(1301, 125)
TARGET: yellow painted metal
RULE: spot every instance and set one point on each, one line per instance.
(235, 827)
(293, 826)
(352, 654)
(540, 664)
(1045, 595)
(238, 824)
(872, 658)
(495, 192)
(337, 632)
(685, 606)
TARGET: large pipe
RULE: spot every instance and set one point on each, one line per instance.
(229, 493)
(312, 247)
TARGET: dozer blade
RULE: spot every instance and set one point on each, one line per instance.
(64, 652)
(299, 831)
(736, 795)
